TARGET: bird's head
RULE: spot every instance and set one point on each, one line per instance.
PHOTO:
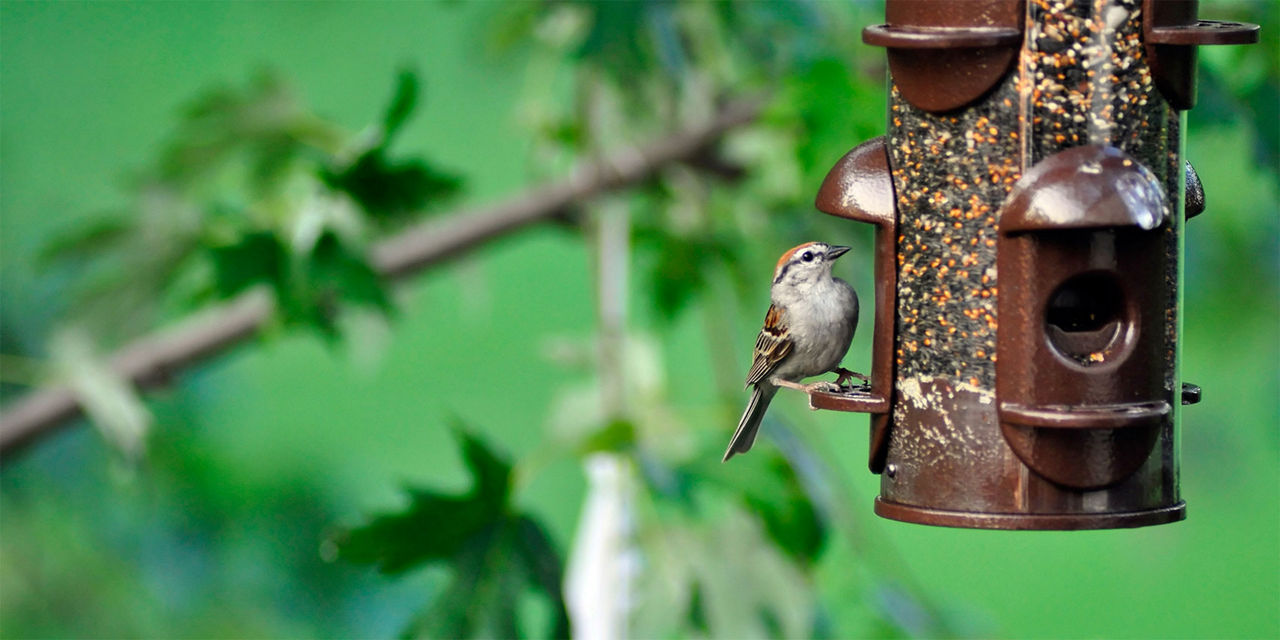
(807, 263)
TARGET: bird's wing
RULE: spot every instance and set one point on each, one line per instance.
(772, 345)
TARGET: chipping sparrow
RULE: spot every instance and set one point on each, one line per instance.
(806, 332)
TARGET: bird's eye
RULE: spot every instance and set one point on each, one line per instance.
(807, 256)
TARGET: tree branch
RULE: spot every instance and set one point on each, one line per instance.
(153, 360)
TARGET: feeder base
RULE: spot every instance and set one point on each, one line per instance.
(1030, 521)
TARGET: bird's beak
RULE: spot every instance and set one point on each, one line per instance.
(836, 252)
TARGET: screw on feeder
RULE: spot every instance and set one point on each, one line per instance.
(1190, 393)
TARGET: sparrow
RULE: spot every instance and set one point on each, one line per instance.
(807, 331)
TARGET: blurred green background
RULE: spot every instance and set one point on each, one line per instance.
(256, 458)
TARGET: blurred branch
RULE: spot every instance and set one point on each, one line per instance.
(152, 361)
(440, 240)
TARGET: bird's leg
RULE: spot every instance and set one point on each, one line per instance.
(821, 385)
(789, 384)
(843, 375)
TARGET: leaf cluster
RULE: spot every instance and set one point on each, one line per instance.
(387, 188)
(495, 553)
(255, 190)
(602, 74)
(271, 196)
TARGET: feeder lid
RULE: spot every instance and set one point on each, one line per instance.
(1089, 187)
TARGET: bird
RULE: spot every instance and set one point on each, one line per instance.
(806, 332)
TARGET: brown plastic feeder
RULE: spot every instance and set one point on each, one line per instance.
(1029, 205)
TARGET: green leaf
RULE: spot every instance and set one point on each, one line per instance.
(340, 274)
(433, 527)
(480, 599)
(544, 567)
(311, 289)
(788, 513)
(87, 240)
(720, 577)
(402, 104)
(617, 435)
(261, 128)
(768, 484)
(390, 190)
(387, 189)
(109, 399)
(614, 39)
(495, 554)
(257, 258)
(492, 474)
(682, 265)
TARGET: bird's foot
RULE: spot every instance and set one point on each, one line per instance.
(823, 385)
(843, 376)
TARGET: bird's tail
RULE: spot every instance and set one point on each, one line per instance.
(749, 424)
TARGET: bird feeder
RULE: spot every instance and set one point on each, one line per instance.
(1029, 203)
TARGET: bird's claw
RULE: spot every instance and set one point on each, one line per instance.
(843, 376)
(823, 385)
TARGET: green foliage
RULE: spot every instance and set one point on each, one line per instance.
(258, 258)
(787, 510)
(1240, 86)
(391, 190)
(343, 274)
(608, 72)
(276, 197)
(386, 189)
(100, 235)
(237, 145)
(618, 436)
(683, 264)
(495, 553)
(775, 494)
(254, 190)
(825, 124)
(403, 102)
(612, 39)
(310, 287)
